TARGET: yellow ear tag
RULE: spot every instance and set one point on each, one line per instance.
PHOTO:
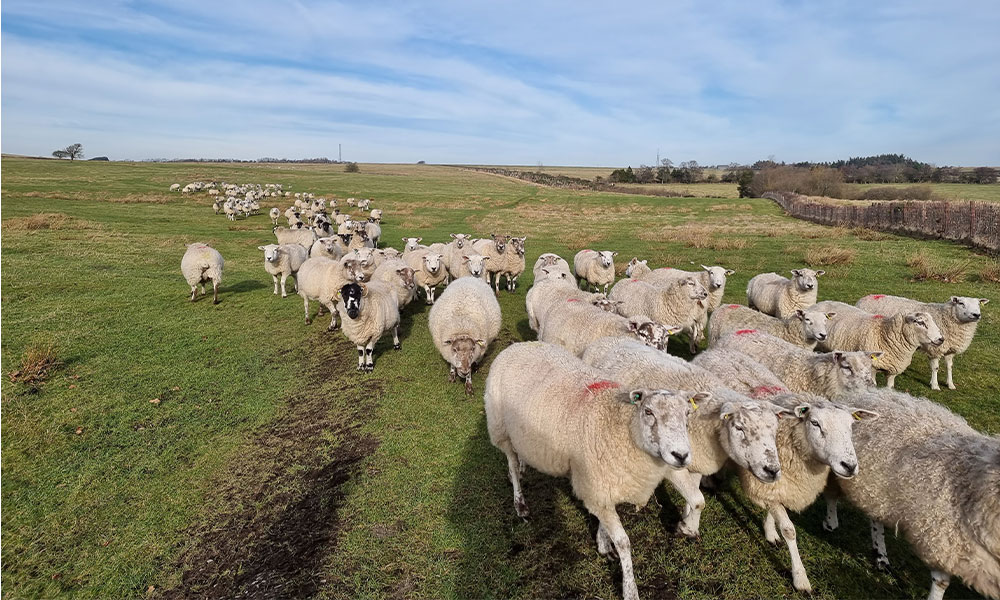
(855, 415)
(726, 416)
(694, 405)
(481, 343)
(874, 358)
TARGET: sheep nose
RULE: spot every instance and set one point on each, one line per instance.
(772, 472)
(939, 341)
(849, 468)
(821, 336)
(975, 316)
(810, 286)
(680, 456)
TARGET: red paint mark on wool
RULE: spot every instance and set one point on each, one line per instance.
(746, 331)
(573, 300)
(732, 306)
(878, 317)
(877, 296)
(763, 391)
(633, 280)
(665, 269)
(600, 386)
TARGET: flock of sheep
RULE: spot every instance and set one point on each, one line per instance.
(784, 393)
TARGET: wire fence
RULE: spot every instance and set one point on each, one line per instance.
(967, 222)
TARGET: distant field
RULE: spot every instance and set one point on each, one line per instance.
(185, 450)
(956, 191)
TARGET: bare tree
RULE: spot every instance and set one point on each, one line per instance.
(71, 152)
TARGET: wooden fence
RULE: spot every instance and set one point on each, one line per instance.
(968, 222)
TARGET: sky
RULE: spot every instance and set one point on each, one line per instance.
(524, 83)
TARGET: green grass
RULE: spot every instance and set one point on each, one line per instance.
(950, 191)
(269, 430)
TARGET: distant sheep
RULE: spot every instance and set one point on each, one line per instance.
(202, 263)
(779, 296)
(283, 260)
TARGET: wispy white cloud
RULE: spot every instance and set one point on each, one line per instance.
(506, 82)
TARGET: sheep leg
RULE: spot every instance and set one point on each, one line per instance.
(939, 583)
(935, 364)
(514, 473)
(215, 292)
(284, 278)
(274, 278)
(333, 315)
(623, 546)
(427, 295)
(949, 360)
(452, 375)
(202, 288)
(688, 485)
(306, 302)
(770, 532)
(604, 545)
(890, 380)
(799, 578)
(194, 292)
(468, 385)
(831, 522)
(370, 356)
(361, 358)
(395, 338)
(878, 545)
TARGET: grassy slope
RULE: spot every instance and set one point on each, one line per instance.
(103, 513)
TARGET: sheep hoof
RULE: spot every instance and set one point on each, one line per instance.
(952, 387)
(468, 388)
(361, 368)
(521, 507)
(451, 377)
(309, 321)
(216, 301)
(397, 346)
(882, 563)
(683, 529)
(828, 527)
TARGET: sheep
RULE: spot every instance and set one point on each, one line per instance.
(576, 324)
(303, 237)
(374, 231)
(778, 296)
(216, 206)
(428, 271)
(412, 243)
(365, 258)
(810, 448)
(384, 254)
(495, 248)
(730, 426)
(897, 336)
(364, 203)
(546, 409)
(454, 251)
(230, 209)
(713, 278)
(328, 247)
(914, 450)
(463, 323)
(367, 311)
(275, 214)
(595, 268)
(321, 279)
(682, 303)
(513, 262)
(826, 374)
(802, 328)
(376, 215)
(396, 273)
(637, 269)
(552, 291)
(359, 239)
(202, 263)
(740, 372)
(552, 262)
(176, 187)
(472, 264)
(957, 319)
(283, 260)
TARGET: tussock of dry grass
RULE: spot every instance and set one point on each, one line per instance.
(991, 272)
(143, 199)
(581, 240)
(927, 269)
(718, 207)
(705, 238)
(37, 362)
(48, 221)
(869, 235)
(829, 255)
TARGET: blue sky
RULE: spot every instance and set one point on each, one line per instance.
(572, 83)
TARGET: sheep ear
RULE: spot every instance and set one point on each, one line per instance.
(481, 343)
(704, 267)
(364, 289)
(729, 272)
(486, 258)
(799, 314)
(614, 254)
(820, 272)
(672, 329)
(699, 397)
(452, 235)
(802, 410)
(796, 272)
(727, 410)
(831, 315)
(782, 412)
(874, 356)
(838, 356)
(636, 396)
(863, 415)
(260, 247)
(633, 326)
(984, 300)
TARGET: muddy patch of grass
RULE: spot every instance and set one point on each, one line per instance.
(48, 221)
(926, 268)
(37, 363)
(829, 255)
(273, 512)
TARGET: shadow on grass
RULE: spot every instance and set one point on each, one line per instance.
(247, 285)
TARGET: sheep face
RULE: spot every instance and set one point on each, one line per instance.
(517, 244)
(460, 240)
(353, 270)
(919, 327)
(805, 279)
(632, 264)
(272, 252)
(659, 427)
(967, 310)
(696, 291)
(855, 370)
(652, 334)
(406, 276)
(412, 243)
(717, 277)
(499, 242)
(465, 353)
(814, 324)
(329, 244)
(607, 305)
(432, 263)
(607, 258)
(365, 256)
(560, 275)
(828, 431)
(476, 264)
(549, 259)
(748, 436)
(351, 295)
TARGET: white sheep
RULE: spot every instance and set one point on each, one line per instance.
(595, 268)
(374, 231)
(896, 336)
(461, 245)
(472, 264)
(957, 319)
(546, 409)
(740, 372)
(682, 302)
(304, 237)
(514, 263)
(328, 247)
(367, 311)
(495, 248)
(202, 263)
(578, 323)
(365, 258)
(396, 273)
(712, 278)
(728, 427)
(552, 262)
(376, 215)
(552, 291)
(321, 279)
(412, 243)
(802, 328)
(934, 479)
(463, 322)
(779, 296)
(175, 187)
(826, 374)
(637, 269)
(809, 449)
(429, 272)
(275, 214)
(283, 260)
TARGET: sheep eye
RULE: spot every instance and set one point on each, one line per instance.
(648, 412)
(814, 423)
(738, 427)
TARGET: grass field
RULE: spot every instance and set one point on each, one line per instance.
(183, 449)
